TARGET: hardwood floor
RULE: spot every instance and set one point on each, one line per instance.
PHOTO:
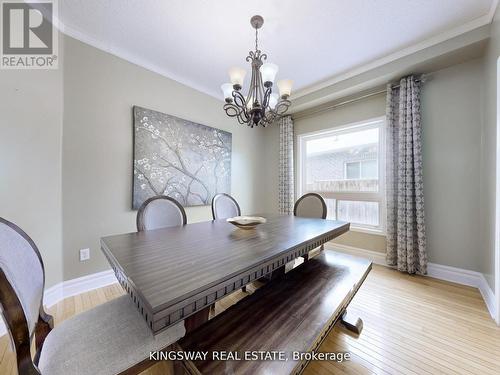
(412, 325)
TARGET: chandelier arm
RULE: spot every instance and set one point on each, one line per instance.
(232, 110)
(265, 101)
(239, 100)
(282, 106)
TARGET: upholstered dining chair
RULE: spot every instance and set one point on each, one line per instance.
(109, 339)
(160, 212)
(310, 205)
(224, 206)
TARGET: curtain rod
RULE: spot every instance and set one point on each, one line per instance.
(319, 109)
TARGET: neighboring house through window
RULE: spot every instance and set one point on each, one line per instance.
(346, 166)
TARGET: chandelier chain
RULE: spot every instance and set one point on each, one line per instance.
(256, 39)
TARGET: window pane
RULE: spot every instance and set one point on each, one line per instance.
(343, 162)
(330, 209)
(352, 171)
(369, 169)
(359, 212)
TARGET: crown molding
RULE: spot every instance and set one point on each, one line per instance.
(450, 34)
(133, 58)
(139, 61)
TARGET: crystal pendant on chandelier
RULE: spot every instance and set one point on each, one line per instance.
(260, 106)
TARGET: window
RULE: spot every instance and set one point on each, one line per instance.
(346, 166)
(363, 169)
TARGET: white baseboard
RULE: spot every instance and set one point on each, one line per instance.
(71, 288)
(438, 271)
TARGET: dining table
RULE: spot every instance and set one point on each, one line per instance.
(177, 273)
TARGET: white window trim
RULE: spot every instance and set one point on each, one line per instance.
(378, 122)
(360, 161)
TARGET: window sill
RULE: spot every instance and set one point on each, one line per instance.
(376, 232)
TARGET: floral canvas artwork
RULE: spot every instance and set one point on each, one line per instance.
(178, 158)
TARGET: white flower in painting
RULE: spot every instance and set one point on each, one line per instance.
(139, 162)
(140, 177)
(176, 194)
(143, 186)
(157, 132)
(145, 118)
(161, 179)
(153, 175)
(147, 167)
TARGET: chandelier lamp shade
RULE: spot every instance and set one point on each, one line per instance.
(261, 106)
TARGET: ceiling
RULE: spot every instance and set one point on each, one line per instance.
(196, 41)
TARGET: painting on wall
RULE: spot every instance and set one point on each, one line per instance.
(178, 158)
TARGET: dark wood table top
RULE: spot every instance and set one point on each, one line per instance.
(290, 314)
(171, 272)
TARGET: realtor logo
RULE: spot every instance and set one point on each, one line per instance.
(29, 38)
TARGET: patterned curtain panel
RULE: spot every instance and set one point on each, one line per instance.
(406, 241)
(286, 178)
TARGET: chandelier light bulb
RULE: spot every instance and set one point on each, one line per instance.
(227, 89)
(268, 72)
(237, 76)
(285, 87)
(273, 100)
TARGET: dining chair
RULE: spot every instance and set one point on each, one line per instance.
(160, 212)
(310, 205)
(224, 206)
(112, 338)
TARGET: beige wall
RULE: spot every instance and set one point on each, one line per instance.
(451, 115)
(488, 156)
(100, 90)
(30, 159)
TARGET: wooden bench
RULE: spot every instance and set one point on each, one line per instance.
(290, 314)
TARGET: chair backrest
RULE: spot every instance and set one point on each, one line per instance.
(224, 206)
(22, 280)
(160, 212)
(310, 205)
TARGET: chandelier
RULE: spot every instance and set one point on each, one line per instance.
(260, 106)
